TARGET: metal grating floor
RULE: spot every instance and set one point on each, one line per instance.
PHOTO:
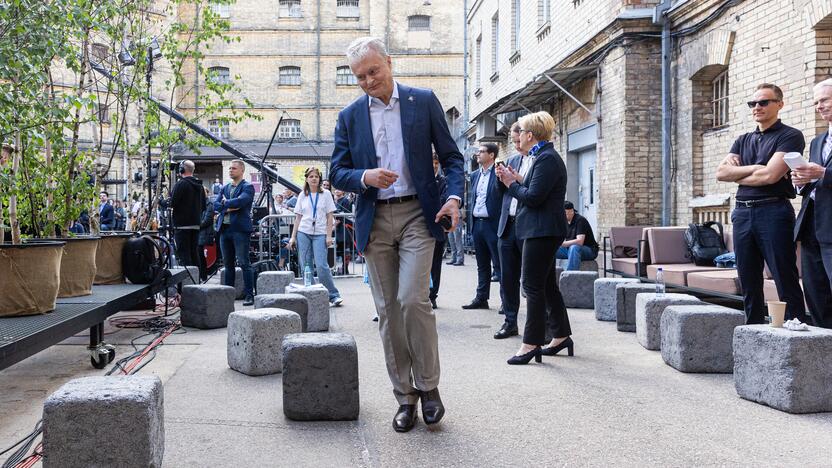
(103, 293)
(15, 328)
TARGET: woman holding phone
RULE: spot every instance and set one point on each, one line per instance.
(312, 231)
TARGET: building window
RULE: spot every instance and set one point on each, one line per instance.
(478, 63)
(222, 10)
(219, 75)
(290, 9)
(495, 40)
(289, 76)
(418, 23)
(99, 51)
(289, 129)
(543, 9)
(347, 9)
(344, 76)
(515, 25)
(102, 113)
(720, 99)
(218, 128)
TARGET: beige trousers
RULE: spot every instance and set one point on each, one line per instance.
(399, 255)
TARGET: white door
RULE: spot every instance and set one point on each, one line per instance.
(588, 188)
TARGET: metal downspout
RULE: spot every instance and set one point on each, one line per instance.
(318, 78)
(464, 125)
(661, 16)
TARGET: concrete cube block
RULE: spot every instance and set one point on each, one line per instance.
(649, 310)
(105, 421)
(698, 338)
(206, 305)
(255, 338)
(295, 302)
(577, 288)
(320, 377)
(625, 304)
(274, 282)
(318, 298)
(558, 272)
(586, 265)
(239, 283)
(788, 370)
(605, 297)
(192, 277)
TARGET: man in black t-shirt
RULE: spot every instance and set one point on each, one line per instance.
(763, 218)
(580, 241)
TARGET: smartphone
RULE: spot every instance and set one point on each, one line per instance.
(445, 222)
(501, 163)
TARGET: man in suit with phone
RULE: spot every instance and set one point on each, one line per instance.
(383, 153)
(813, 227)
(485, 201)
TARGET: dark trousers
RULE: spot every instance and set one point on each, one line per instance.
(485, 244)
(816, 260)
(187, 250)
(542, 294)
(235, 246)
(765, 233)
(511, 254)
(202, 262)
(436, 268)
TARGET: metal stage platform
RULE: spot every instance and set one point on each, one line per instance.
(21, 337)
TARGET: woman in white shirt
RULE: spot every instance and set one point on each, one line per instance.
(313, 230)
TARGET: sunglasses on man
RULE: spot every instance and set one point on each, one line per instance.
(761, 102)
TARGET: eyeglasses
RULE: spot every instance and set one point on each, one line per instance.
(520, 130)
(761, 102)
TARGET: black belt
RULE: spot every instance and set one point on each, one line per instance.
(761, 201)
(406, 198)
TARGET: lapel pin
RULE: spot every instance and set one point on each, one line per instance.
(410, 99)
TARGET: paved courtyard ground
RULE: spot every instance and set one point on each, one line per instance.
(613, 404)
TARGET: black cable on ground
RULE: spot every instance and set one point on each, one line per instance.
(21, 453)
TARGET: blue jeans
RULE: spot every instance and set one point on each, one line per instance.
(313, 248)
(575, 254)
(235, 246)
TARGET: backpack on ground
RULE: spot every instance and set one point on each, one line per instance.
(704, 243)
(145, 258)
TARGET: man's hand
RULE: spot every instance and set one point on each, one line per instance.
(811, 171)
(450, 209)
(732, 160)
(508, 175)
(380, 178)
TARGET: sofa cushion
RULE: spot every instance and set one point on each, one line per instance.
(676, 273)
(723, 281)
(667, 245)
(627, 266)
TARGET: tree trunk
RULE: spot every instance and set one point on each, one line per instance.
(13, 221)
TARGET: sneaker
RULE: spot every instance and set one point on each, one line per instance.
(249, 300)
(336, 302)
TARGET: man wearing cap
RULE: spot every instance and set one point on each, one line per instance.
(580, 243)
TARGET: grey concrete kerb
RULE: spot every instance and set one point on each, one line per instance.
(206, 305)
(274, 282)
(297, 303)
(625, 304)
(605, 297)
(698, 338)
(649, 310)
(577, 288)
(318, 297)
(239, 283)
(255, 338)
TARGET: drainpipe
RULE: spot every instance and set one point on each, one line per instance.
(660, 17)
(465, 76)
(387, 27)
(318, 79)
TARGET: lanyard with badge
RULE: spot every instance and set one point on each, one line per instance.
(314, 204)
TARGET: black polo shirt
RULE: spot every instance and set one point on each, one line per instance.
(758, 147)
(578, 226)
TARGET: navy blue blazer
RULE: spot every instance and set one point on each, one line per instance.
(540, 197)
(241, 198)
(493, 197)
(423, 124)
(107, 215)
(514, 163)
(823, 195)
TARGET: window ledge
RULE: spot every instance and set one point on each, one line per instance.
(543, 31)
(347, 18)
(495, 77)
(346, 84)
(478, 92)
(515, 57)
(717, 130)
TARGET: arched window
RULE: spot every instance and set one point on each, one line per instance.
(344, 76)
(289, 129)
(289, 76)
(418, 23)
(219, 75)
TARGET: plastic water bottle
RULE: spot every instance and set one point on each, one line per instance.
(307, 275)
(660, 282)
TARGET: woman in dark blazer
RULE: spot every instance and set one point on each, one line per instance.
(541, 225)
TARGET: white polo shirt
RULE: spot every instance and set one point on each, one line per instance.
(306, 206)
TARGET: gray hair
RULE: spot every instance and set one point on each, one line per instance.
(362, 46)
(827, 83)
(188, 166)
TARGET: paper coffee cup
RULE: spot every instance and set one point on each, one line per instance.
(777, 313)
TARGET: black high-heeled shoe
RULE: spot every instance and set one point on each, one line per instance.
(552, 350)
(525, 358)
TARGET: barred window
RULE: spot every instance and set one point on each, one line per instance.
(515, 25)
(289, 76)
(223, 10)
(290, 9)
(344, 76)
(418, 23)
(289, 129)
(543, 12)
(219, 128)
(347, 9)
(219, 75)
(495, 40)
(720, 101)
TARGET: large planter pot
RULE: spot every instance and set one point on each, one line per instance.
(108, 258)
(30, 275)
(77, 265)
